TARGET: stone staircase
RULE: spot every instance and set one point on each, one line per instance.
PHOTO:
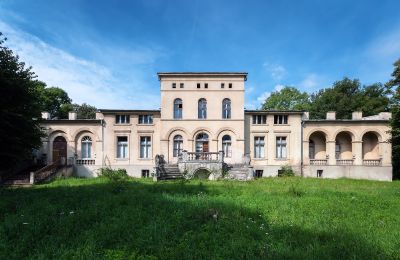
(170, 172)
(239, 172)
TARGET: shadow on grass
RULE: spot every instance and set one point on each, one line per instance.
(161, 220)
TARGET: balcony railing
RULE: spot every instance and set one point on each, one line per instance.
(318, 162)
(344, 161)
(201, 156)
(85, 162)
(372, 162)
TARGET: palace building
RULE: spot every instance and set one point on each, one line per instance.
(203, 128)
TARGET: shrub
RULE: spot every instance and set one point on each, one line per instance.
(286, 171)
(113, 175)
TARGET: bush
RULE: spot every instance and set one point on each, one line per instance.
(286, 171)
(114, 175)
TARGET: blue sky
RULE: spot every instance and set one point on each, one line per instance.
(107, 53)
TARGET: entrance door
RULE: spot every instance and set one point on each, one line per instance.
(60, 150)
(205, 147)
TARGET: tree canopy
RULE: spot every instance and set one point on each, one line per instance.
(395, 122)
(20, 109)
(53, 100)
(288, 98)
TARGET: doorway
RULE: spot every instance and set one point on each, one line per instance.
(60, 150)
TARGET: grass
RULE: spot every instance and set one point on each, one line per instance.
(270, 218)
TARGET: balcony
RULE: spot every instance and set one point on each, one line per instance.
(187, 157)
(318, 162)
(344, 161)
(372, 162)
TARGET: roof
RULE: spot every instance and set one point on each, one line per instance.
(274, 111)
(44, 121)
(113, 111)
(203, 74)
(345, 120)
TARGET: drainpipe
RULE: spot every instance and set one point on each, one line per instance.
(102, 143)
(301, 148)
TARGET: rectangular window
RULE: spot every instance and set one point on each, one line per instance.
(230, 85)
(198, 85)
(259, 119)
(319, 173)
(181, 85)
(280, 119)
(258, 174)
(222, 85)
(145, 173)
(259, 147)
(281, 151)
(145, 119)
(122, 147)
(205, 85)
(122, 119)
(145, 147)
(173, 85)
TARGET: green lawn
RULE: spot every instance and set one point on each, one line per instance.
(269, 218)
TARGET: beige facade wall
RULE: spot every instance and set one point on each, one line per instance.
(356, 148)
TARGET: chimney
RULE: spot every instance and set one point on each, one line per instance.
(331, 115)
(385, 115)
(72, 115)
(356, 115)
(99, 115)
(45, 115)
(306, 115)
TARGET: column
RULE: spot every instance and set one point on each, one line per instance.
(330, 152)
(357, 152)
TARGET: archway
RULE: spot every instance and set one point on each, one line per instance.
(317, 146)
(202, 143)
(202, 174)
(60, 150)
(343, 147)
(370, 146)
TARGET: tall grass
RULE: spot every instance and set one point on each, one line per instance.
(269, 218)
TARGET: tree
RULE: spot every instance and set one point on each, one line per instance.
(347, 96)
(19, 110)
(85, 111)
(288, 98)
(53, 100)
(395, 122)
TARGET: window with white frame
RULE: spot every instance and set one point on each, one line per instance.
(145, 147)
(281, 149)
(259, 119)
(280, 119)
(86, 147)
(178, 108)
(259, 143)
(178, 145)
(202, 108)
(226, 108)
(227, 146)
(145, 119)
(122, 119)
(122, 147)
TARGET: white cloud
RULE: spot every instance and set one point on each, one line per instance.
(387, 45)
(84, 80)
(309, 82)
(276, 71)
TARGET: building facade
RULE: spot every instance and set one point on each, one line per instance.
(202, 116)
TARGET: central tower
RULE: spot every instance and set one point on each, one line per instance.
(202, 112)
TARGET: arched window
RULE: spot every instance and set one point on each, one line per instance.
(178, 145)
(178, 108)
(226, 108)
(86, 147)
(202, 143)
(311, 149)
(202, 109)
(227, 146)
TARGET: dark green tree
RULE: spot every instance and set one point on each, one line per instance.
(288, 98)
(347, 96)
(19, 110)
(53, 100)
(85, 111)
(395, 122)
